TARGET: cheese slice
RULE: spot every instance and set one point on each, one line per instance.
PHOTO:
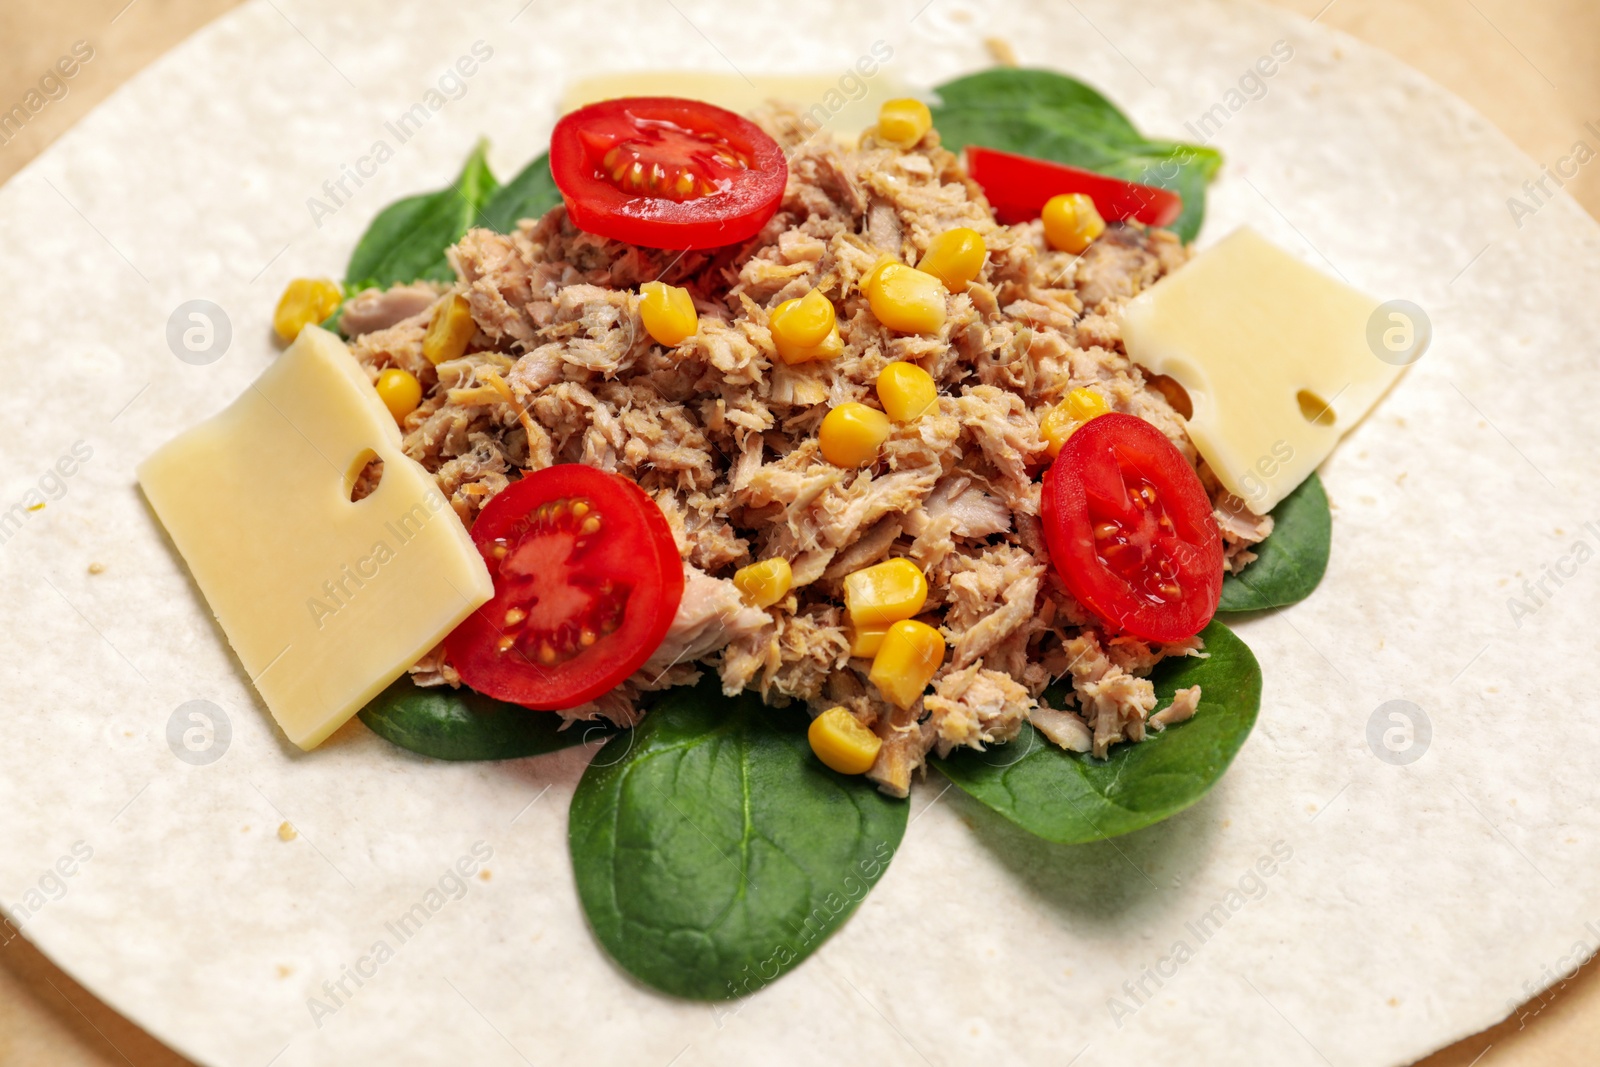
(325, 600)
(1275, 355)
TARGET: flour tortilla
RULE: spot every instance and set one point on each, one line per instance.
(1417, 904)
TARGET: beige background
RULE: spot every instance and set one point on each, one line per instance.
(1531, 66)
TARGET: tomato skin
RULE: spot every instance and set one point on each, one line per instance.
(632, 551)
(1172, 541)
(686, 135)
(1018, 186)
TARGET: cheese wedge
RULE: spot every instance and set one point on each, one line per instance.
(1276, 356)
(325, 600)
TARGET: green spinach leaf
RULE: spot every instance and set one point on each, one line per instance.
(527, 196)
(407, 241)
(1292, 560)
(458, 724)
(1050, 116)
(1071, 798)
(713, 852)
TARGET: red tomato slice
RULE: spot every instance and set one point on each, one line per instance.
(1018, 186)
(664, 172)
(587, 580)
(1131, 531)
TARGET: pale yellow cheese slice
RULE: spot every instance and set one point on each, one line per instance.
(325, 600)
(1275, 355)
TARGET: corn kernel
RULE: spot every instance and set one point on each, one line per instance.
(911, 654)
(902, 122)
(400, 392)
(1072, 222)
(869, 280)
(851, 434)
(954, 257)
(906, 300)
(866, 640)
(668, 313)
(885, 592)
(1059, 423)
(452, 327)
(305, 302)
(906, 391)
(842, 742)
(1085, 404)
(764, 584)
(805, 329)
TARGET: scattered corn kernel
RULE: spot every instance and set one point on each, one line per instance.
(305, 302)
(1085, 404)
(885, 592)
(954, 257)
(906, 300)
(911, 654)
(870, 279)
(842, 742)
(806, 328)
(400, 392)
(1072, 222)
(668, 313)
(764, 584)
(851, 434)
(866, 640)
(1058, 424)
(906, 391)
(452, 327)
(902, 122)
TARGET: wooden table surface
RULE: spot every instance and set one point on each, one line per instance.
(1531, 66)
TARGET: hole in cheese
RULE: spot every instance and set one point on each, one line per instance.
(1175, 393)
(1315, 409)
(363, 476)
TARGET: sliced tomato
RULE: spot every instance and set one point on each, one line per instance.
(1131, 531)
(665, 172)
(1018, 186)
(587, 580)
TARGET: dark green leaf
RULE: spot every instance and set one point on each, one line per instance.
(527, 196)
(1292, 560)
(1070, 798)
(407, 241)
(1050, 116)
(713, 852)
(458, 724)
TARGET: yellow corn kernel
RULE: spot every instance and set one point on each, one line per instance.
(885, 592)
(866, 640)
(400, 392)
(906, 300)
(1058, 424)
(305, 302)
(1071, 222)
(452, 327)
(842, 742)
(764, 584)
(869, 280)
(668, 313)
(902, 122)
(851, 434)
(954, 257)
(911, 654)
(906, 391)
(806, 328)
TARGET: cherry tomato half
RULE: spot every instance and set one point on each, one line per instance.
(665, 172)
(1018, 186)
(1131, 531)
(587, 580)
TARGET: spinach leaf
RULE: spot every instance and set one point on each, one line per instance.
(1071, 798)
(458, 724)
(1050, 116)
(1292, 560)
(407, 241)
(713, 852)
(527, 196)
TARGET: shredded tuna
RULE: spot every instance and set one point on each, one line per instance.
(1185, 702)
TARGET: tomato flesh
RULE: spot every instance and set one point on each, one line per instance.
(1131, 530)
(587, 580)
(665, 172)
(1017, 187)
